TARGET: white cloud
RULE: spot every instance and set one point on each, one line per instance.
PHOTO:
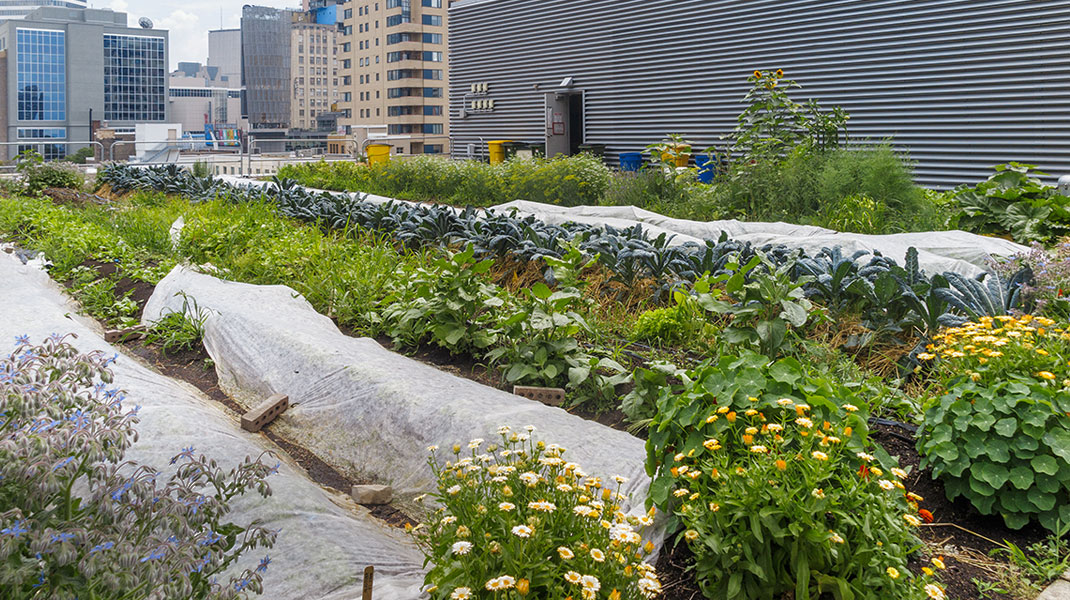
(188, 21)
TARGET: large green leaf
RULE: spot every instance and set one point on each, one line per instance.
(992, 474)
(1045, 464)
(1021, 477)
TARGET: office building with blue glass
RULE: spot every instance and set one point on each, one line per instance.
(65, 72)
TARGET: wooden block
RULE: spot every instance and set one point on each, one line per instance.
(117, 335)
(548, 396)
(372, 494)
(256, 419)
(369, 581)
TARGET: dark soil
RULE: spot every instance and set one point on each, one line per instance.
(69, 197)
(957, 527)
(139, 291)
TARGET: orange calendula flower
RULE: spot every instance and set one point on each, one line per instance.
(1046, 375)
(781, 465)
(926, 516)
(731, 417)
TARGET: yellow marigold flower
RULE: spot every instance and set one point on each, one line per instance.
(893, 572)
(819, 455)
(731, 417)
(915, 497)
(939, 564)
(877, 471)
(785, 402)
(928, 571)
(723, 410)
(714, 507)
(680, 493)
(712, 419)
(911, 519)
(648, 547)
(804, 422)
(850, 408)
(1042, 352)
(1046, 375)
(751, 430)
(751, 399)
(748, 439)
(759, 449)
(801, 408)
(614, 595)
(926, 356)
(679, 457)
(691, 535)
(847, 431)
(900, 473)
(750, 412)
(710, 444)
(835, 538)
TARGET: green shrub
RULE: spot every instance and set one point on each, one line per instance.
(449, 303)
(518, 521)
(855, 214)
(769, 472)
(81, 156)
(39, 175)
(999, 435)
(1014, 200)
(539, 338)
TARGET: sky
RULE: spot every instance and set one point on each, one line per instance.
(188, 21)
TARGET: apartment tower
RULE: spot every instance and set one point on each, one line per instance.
(314, 66)
(395, 73)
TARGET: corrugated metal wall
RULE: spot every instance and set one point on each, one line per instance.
(962, 84)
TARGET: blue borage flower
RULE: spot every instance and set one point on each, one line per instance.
(102, 547)
(203, 563)
(156, 554)
(263, 566)
(16, 530)
(63, 463)
(187, 453)
(22, 340)
(60, 538)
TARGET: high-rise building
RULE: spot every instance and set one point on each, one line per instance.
(395, 72)
(61, 70)
(266, 76)
(224, 53)
(20, 8)
(314, 68)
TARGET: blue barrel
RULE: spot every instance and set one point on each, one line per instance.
(631, 161)
(707, 167)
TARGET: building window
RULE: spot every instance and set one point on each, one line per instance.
(424, 128)
(432, 38)
(42, 75)
(432, 3)
(434, 20)
(426, 110)
(134, 78)
(433, 148)
(48, 151)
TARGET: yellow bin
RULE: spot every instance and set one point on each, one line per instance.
(497, 151)
(378, 154)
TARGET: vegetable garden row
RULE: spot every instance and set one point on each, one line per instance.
(726, 356)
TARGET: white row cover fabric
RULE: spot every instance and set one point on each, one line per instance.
(938, 251)
(326, 540)
(369, 412)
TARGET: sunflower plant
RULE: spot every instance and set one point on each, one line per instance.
(517, 520)
(999, 431)
(777, 490)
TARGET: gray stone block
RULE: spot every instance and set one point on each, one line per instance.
(1060, 590)
(372, 494)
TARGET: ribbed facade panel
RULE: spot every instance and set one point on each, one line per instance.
(962, 84)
